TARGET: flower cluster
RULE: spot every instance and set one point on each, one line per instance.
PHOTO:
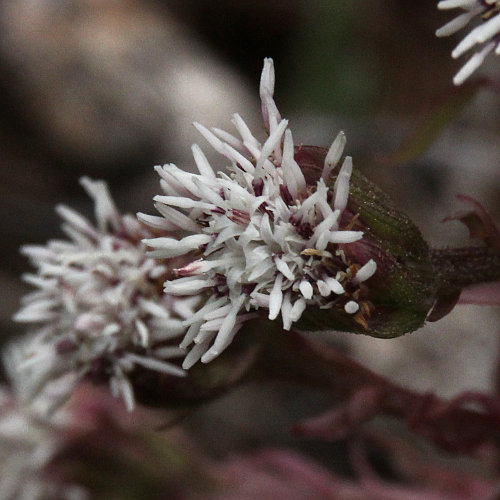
(99, 310)
(27, 445)
(258, 236)
(486, 34)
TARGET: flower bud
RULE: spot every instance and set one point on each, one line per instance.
(401, 292)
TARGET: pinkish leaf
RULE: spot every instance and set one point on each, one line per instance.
(478, 221)
(485, 294)
(340, 422)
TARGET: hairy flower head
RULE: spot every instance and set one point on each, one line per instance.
(28, 443)
(486, 35)
(98, 310)
(259, 237)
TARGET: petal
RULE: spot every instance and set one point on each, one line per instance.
(202, 163)
(341, 187)
(366, 271)
(345, 236)
(283, 268)
(306, 289)
(351, 307)
(276, 298)
(333, 156)
(187, 286)
(170, 247)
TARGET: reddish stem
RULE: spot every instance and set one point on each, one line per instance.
(293, 358)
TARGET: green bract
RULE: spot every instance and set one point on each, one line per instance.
(403, 290)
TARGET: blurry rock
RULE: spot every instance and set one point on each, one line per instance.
(108, 81)
(455, 354)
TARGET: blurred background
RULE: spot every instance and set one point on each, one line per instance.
(109, 88)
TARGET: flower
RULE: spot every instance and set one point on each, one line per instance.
(98, 308)
(28, 443)
(486, 34)
(259, 236)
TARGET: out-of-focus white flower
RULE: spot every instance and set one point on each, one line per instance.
(486, 35)
(99, 310)
(259, 237)
(27, 444)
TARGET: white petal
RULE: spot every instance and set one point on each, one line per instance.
(293, 176)
(269, 146)
(207, 193)
(467, 43)
(334, 285)
(156, 222)
(366, 271)
(286, 312)
(345, 236)
(260, 299)
(191, 334)
(187, 286)
(178, 201)
(323, 288)
(248, 139)
(283, 268)
(154, 308)
(214, 141)
(351, 307)
(195, 354)
(38, 252)
(306, 289)
(489, 29)
(121, 386)
(156, 364)
(38, 281)
(267, 79)
(169, 352)
(199, 266)
(228, 138)
(105, 210)
(239, 159)
(202, 163)
(75, 219)
(165, 328)
(28, 315)
(211, 305)
(266, 232)
(174, 181)
(453, 4)
(226, 234)
(227, 331)
(472, 64)
(297, 309)
(217, 313)
(178, 219)
(170, 247)
(270, 112)
(333, 156)
(322, 232)
(341, 187)
(276, 298)
(143, 332)
(457, 23)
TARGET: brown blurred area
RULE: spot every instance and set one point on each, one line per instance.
(109, 88)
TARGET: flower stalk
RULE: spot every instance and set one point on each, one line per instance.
(290, 357)
(458, 268)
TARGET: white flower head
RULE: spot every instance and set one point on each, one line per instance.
(260, 237)
(98, 310)
(28, 443)
(486, 35)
